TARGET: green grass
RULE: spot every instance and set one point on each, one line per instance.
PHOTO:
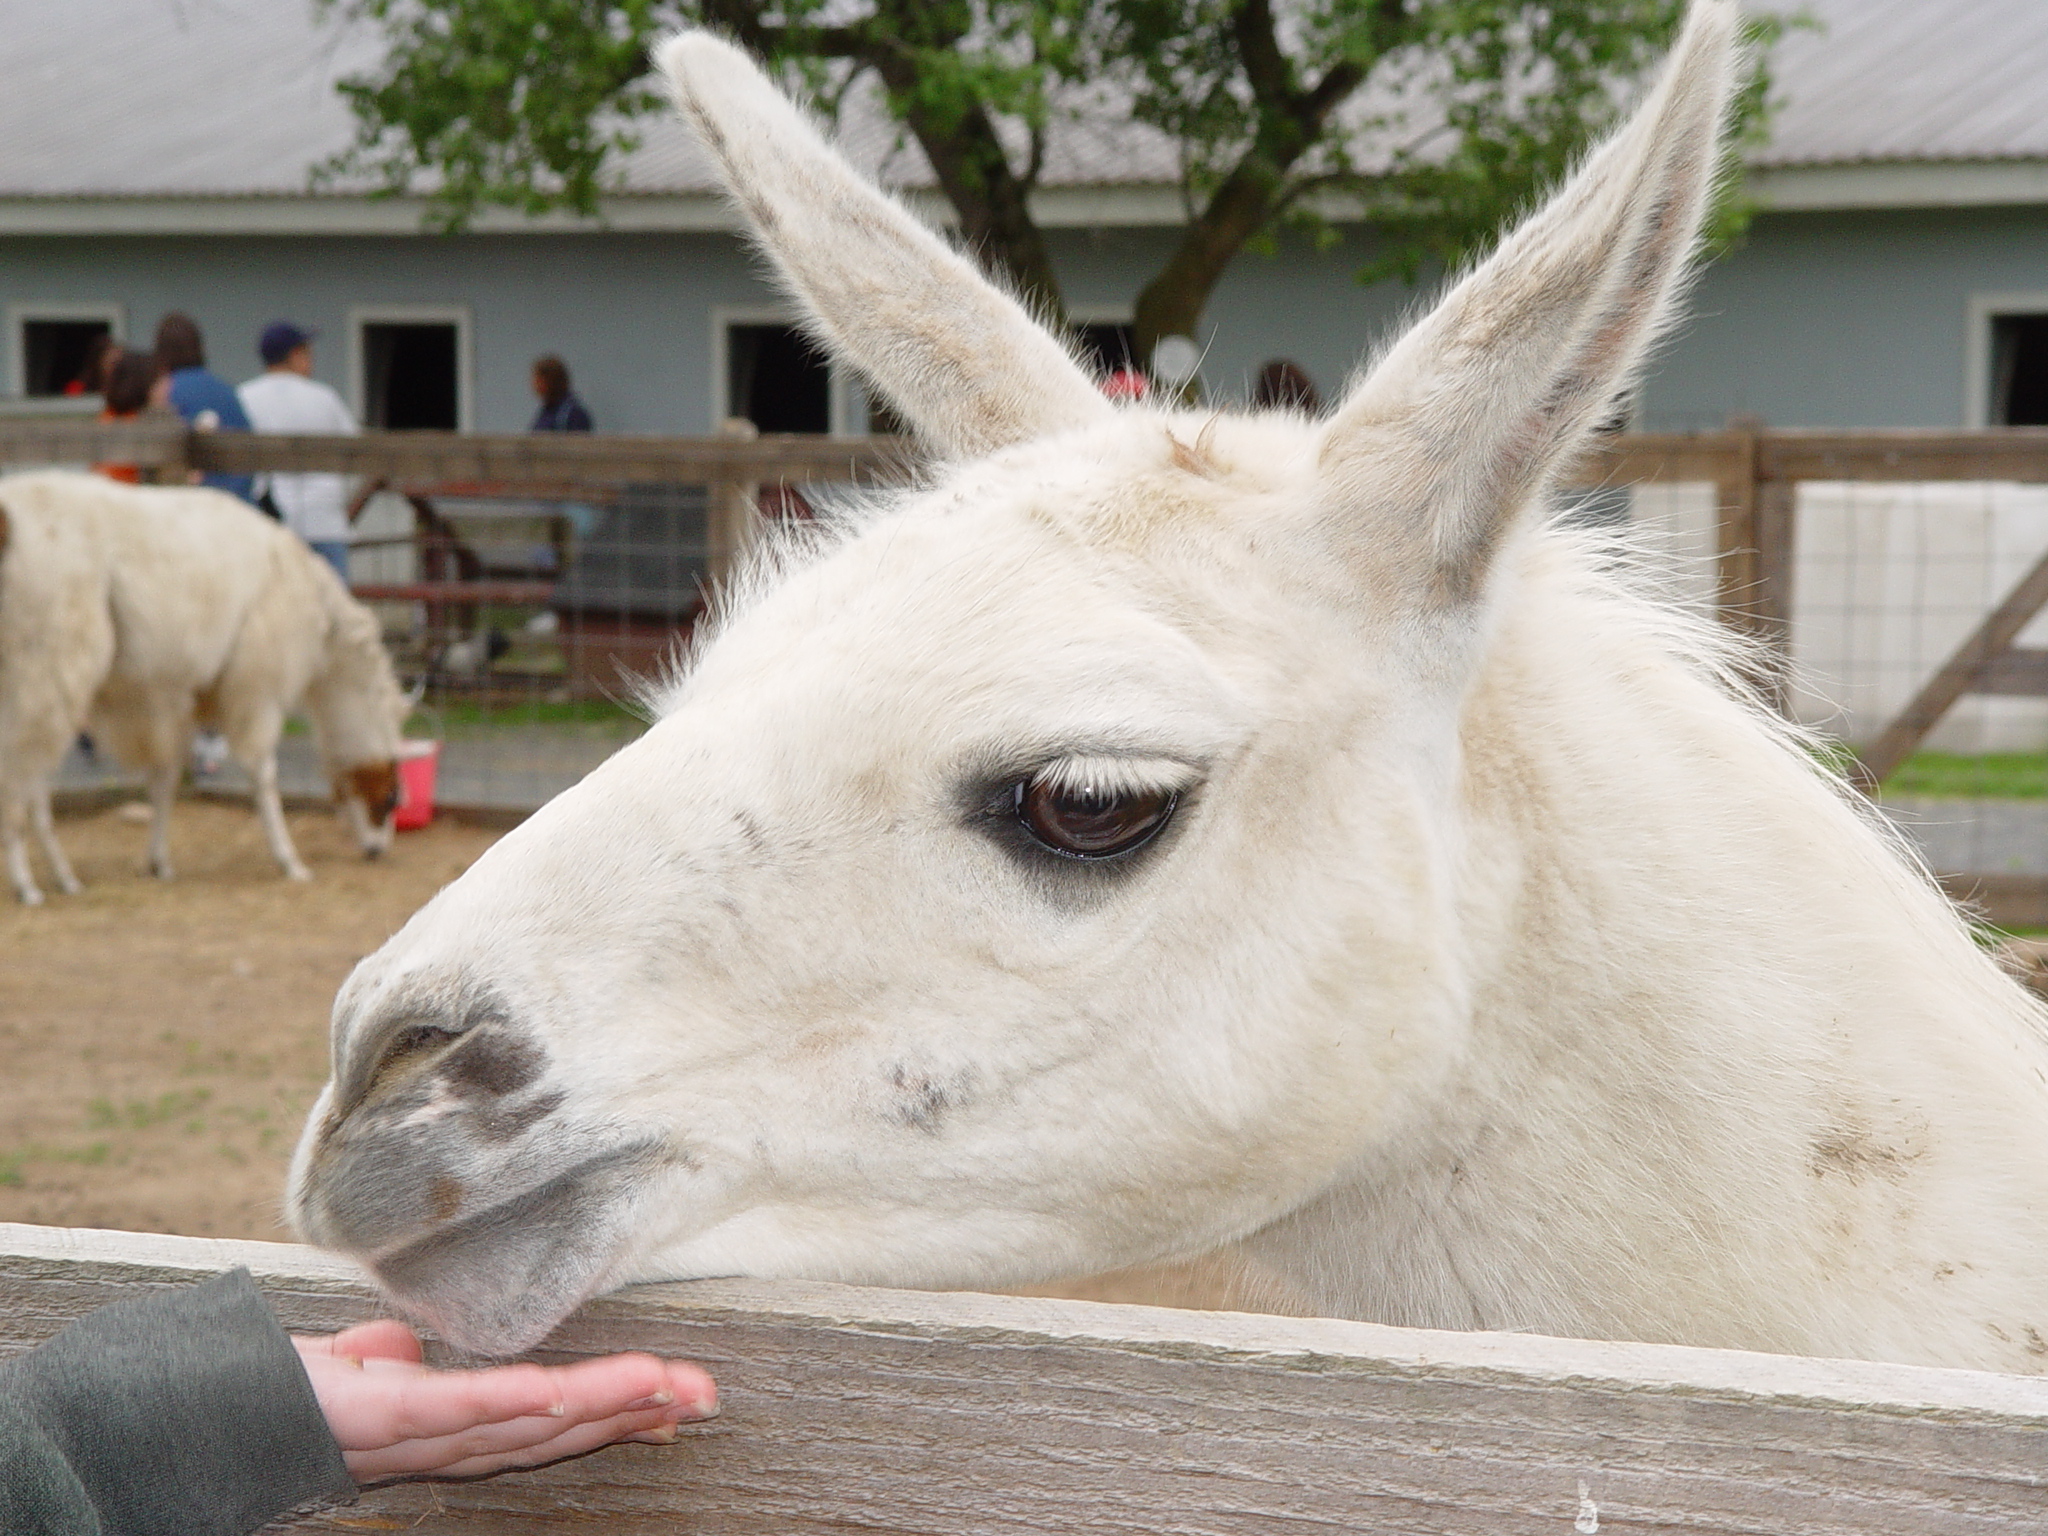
(1956, 776)
(467, 712)
(472, 715)
(139, 1114)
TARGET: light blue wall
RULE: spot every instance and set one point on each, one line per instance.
(1301, 303)
(1819, 320)
(1844, 319)
(630, 313)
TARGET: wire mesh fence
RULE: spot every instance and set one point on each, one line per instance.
(1911, 640)
(1890, 583)
(525, 624)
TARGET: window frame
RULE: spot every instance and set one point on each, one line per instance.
(20, 314)
(845, 403)
(457, 315)
(1985, 310)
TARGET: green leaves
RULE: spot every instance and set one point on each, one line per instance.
(1433, 121)
(510, 103)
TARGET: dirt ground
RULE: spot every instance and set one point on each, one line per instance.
(161, 1041)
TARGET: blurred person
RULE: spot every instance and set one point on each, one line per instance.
(1283, 385)
(192, 1410)
(132, 383)
(1127, 383)
(286, 397)
(560, 410)
(92, 373)
(203, 398)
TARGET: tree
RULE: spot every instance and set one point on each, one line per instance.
(1431, 121)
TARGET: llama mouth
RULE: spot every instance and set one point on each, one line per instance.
(497, 1282)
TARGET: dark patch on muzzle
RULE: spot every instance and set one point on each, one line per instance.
(498, 1281)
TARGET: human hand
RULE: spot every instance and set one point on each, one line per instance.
(395, 1417)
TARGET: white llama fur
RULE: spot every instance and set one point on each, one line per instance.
(1501, 968)
(139, 613)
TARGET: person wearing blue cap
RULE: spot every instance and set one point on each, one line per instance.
(286, 397)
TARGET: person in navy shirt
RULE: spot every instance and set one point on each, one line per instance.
(560, 410)
(200, 396)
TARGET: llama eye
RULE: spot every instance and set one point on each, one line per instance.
(1091, 823)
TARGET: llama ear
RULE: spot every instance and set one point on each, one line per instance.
(962, 361)
(1434, 455)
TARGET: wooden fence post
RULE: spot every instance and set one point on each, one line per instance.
(1755, 553)
(730, 516)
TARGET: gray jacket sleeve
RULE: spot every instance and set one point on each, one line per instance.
(179, 1413)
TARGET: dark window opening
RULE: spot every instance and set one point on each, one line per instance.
(2019, 370)
(54, 352)
(776, 379)
(410, 376)
(1105, 346)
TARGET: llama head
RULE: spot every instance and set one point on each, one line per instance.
(1059, 869)
(358, 713)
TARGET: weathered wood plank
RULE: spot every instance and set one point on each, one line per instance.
(2004, 901)
(2020, 671)
(851, 1410)
(150, 442)
(1999, 453)
(1643, 457)
(554, 458)
(2005, 453)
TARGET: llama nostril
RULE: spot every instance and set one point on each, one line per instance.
(468, 1047)
(410, 1049)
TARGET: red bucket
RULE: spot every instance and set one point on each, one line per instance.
(417, 762)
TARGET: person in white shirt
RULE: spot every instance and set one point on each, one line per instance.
(285, 397)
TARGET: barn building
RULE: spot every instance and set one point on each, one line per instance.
(158, 155)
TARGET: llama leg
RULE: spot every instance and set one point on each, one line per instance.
(163, 790)
(270, 808)
(13, 815)
(53, 851)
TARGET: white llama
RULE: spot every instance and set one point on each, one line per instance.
(1173, 836)
(141, 612)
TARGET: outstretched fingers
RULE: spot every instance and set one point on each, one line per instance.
(525, 1443)
(394, 1416)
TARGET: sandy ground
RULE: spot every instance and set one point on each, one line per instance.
(161, 1041)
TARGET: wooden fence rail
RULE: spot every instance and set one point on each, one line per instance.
(961, 1415)
(535, 461)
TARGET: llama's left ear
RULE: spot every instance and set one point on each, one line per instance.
(960, 360)
(1433, 456)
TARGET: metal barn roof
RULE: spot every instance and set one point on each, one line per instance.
(235, 99)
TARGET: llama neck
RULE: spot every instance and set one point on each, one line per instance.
(1736, 1076)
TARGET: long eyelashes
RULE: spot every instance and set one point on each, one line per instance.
(1090, 820)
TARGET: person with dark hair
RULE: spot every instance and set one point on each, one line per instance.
(200, 396)
(131, 383)
(560, 410)
(1283, 385)
(92, 373)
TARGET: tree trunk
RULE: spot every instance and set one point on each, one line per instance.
(1172, 303)
(1290, 122)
